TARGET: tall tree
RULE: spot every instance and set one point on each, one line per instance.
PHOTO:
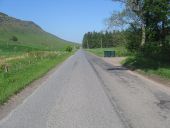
(150, 15)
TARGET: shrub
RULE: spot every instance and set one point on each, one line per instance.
(133, 41)
(77, 47)
(69, 49)
(14, 38)
(156, 50)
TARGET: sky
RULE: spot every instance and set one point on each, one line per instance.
(67, 19)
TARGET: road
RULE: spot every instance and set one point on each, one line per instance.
(86, 92)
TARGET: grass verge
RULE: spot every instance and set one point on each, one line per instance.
(120, 51)
(148, 66)
(22, 71)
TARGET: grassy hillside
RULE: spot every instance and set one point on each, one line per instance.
(28, 34)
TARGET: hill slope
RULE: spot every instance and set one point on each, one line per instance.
(29, 34)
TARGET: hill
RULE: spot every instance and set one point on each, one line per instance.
(28, 34)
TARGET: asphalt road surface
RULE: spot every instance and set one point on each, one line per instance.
(86, 92)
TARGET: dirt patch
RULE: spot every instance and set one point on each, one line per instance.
(116, 61)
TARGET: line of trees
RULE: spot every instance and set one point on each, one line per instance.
(102, 39)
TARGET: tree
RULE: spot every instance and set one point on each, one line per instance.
(69, 49)
(151, 16)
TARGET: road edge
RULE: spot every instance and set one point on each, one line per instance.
(137, 74)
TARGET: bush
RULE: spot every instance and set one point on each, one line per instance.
(133, 41)
(157, 50)
(77, 47)
(14, 38)
(69, 49)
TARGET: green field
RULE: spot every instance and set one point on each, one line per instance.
(120, 51)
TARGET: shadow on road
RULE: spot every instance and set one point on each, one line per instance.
(117, 68)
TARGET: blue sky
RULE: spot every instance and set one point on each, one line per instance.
(68, 19)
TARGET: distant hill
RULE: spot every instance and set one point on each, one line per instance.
(28, 34)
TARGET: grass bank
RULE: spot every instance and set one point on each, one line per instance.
(18, 72)
(120, 51)
(148, 66)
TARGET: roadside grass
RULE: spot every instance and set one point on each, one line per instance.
(120, 51)
(22, 71)
(148, 66)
